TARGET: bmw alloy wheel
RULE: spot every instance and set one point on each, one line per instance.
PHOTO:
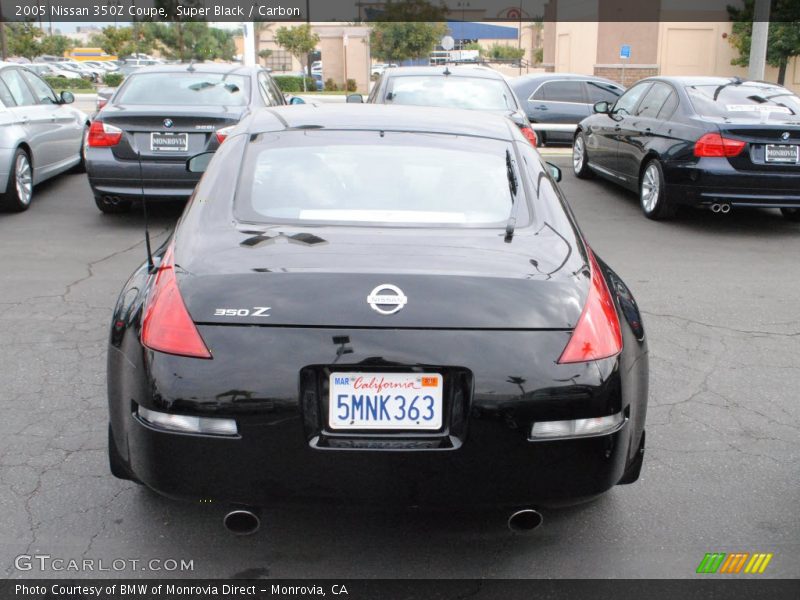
(577, 154)
(651, 186)
(23, 179)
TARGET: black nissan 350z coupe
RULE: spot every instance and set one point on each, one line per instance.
(391, 305)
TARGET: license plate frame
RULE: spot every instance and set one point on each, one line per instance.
(362, 401)
(159, 148)
(782, 160)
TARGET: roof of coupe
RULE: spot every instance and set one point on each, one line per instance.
(371, 117)
(454, 71)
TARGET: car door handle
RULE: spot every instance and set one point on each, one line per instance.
(541, 107)
(648, 131)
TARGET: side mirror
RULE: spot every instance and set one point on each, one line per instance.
(67, 97)
(199, 162)
(297, 100)
(355, 99)
(601, 107)
(555, 172)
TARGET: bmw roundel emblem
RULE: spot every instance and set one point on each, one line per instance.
(167, 122)
(387, 299)
(785, 135)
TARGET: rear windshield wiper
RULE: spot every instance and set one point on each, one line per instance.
(512, 188)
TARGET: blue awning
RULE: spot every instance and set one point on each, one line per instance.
(461, 30)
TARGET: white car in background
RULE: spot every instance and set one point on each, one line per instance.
(50, 69)
(40, 135)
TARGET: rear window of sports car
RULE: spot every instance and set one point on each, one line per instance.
(185, 89)
(378, 178)
(744, 100)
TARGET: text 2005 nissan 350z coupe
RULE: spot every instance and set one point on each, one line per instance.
(381, 304)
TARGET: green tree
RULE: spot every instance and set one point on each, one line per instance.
(407, 29)
(784, 34)
(501, 52)
(298, 41)
(56, 45)
(23, 39)
(113, 40)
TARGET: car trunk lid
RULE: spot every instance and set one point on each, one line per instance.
(392, 279)
(149, 130)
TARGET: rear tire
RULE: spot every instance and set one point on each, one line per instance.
(111, 208)
(791, 214)
(19, 191)
(580, 158)
(653, 193)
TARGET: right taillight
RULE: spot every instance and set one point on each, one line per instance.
(103, 135)
(597, 334)
(529, 134)
(714, 145)
(167, 325)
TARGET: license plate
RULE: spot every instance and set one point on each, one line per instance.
(169, 142)
(783, 153)
(409, 401)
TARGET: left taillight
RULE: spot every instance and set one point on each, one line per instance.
(167, 325)
(103, 135)
(101, 102)
(529, 134)
(597, 334)
(223, 133)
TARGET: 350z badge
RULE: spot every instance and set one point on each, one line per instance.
(256, 311)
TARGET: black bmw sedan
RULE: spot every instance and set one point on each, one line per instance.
(160, 116)
(700, 141)
(418, 323)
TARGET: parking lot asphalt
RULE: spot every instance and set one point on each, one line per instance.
(720, 300)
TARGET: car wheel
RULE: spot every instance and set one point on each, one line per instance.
(19, 190)
(652, 193)
(792, 214)
(81, 166)
(580, 159)
(112, 207)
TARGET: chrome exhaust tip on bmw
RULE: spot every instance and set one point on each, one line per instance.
(242, 521)
(525, 521)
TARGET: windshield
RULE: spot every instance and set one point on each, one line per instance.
(402, 179)
(186, 88)
(475, 93)
(746, 100)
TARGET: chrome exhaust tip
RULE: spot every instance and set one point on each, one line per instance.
(242, 521)
(725, 209)
(716, 208)
(525, 521)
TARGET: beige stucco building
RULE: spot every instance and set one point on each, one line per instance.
(657, 48)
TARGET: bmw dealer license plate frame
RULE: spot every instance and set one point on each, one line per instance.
(182, 147)
(386, 401)
(784, 152)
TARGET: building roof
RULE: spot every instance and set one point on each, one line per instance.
(461, 30)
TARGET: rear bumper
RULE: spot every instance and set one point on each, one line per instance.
(261, 377)
(271, 464)
(109, 176)
(714, 180)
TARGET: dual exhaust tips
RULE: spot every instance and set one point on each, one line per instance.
(246, 521)
(721, 208)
